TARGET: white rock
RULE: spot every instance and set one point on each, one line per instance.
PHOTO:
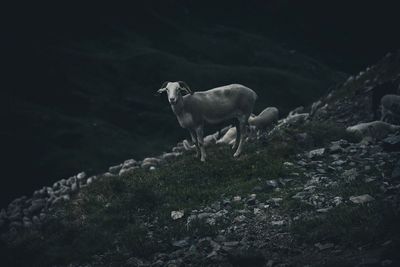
(278, 223)
(177, 214)
(89, 180)
(129, 163)
(115, 169)
(361, 199)
(324, 246)
(316, 153)
(81, 175)
(237, 198)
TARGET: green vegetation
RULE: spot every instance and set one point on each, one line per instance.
(119, 217)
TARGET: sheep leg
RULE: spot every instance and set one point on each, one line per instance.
(236, 144)
(194, 140)
(200, 140)
(242, 128)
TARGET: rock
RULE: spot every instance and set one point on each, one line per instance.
(27, 222)
(316, 153)
(181, 243)
(278, 223)
(237, 198)
(324, 246)
(246, 257)
(239, 219)
(271, 184)
(89, 180)
(335, 148)
(391, 143)
(16, 216)
(251, 201)
(177, 214)
(350, 175)
(257, 188)
(304, 140)
(361, 199)
(115, 169)
(36, 220)
(15, 224)
(135, 262)
(74, 187)
(81, 175)
(127, 170)
(129, 163)
(37, 205)
(171, 155)
(396, 171)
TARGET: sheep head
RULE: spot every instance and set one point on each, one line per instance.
(173, 90)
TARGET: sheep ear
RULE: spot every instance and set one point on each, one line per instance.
(185, 87)
(162, 89)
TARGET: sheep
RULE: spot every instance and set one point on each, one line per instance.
(266, 118)
(390, 108)
(374, 129)
(229, 137)
(193, 110)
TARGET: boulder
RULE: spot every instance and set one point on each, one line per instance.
(316, 153)
(81, 175)
(391, 143)
(115, 169)
(361, 199)
(396, 171)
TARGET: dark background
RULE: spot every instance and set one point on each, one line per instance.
(78, 80)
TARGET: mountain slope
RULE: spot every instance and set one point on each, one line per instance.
(305, 193)
(88, 102)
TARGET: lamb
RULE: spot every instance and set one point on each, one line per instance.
(390, 108)
(374, 129)
(216, 105)
(266, 118)
(229, 137)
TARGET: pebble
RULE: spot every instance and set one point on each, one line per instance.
(361, 199)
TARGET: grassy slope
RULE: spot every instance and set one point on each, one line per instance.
(110, 221)
(101, 91)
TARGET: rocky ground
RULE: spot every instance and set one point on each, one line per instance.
(306, 193)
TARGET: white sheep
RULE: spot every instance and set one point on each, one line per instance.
(374, 129)
(213, 106)
(229, 137)
(265, 119)
(390, 108)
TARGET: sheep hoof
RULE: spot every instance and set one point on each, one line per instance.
(203, 159)
(236, 155)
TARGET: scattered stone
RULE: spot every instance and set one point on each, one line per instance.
(239, 219)
(177, 214)
(391, 143)
(361, 199)
(237, 198)
(129, 164)
(350, 175)
(81, 175)
(271, 184)
(324, 246)
(115, 169)
(181, 243)
(278, 223)
(396, 171)
(316, 153)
